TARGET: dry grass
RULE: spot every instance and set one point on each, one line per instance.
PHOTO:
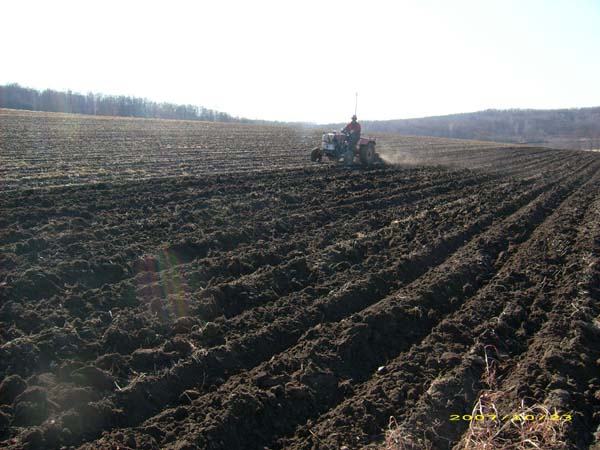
(523, 428)
(527, 427)
(398, 439)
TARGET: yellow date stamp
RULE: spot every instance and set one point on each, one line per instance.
(511, 417)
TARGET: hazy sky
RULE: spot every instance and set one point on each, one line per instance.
(304, 60)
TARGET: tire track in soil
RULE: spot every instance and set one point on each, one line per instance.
(514, 301)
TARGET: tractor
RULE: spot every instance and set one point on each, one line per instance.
(336, 146)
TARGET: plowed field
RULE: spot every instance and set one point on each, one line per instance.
(183, 285)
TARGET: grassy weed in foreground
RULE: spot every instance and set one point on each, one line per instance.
(527, 428)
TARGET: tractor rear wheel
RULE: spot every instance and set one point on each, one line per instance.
(367, 154)
(316, 155)
(348, 157)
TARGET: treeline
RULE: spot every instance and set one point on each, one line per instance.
(15, 96)
(515, 125)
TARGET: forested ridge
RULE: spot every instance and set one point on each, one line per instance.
(14, 96)
(577, 128)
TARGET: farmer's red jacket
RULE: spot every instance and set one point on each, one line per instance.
(352, 126)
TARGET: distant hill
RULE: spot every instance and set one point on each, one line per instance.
(14, 96)
(559, 128)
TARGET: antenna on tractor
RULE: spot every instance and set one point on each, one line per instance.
(355, 102)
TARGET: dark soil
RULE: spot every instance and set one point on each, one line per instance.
(294, 308)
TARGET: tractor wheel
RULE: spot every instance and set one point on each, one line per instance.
(367, 154)
(348, 158)
(316, 155)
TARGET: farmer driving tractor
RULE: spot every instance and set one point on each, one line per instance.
(353, 132)
(346, 145)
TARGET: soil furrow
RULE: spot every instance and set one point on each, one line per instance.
(497, 324)
(182, 285)
(562, 190)
(266, 223)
